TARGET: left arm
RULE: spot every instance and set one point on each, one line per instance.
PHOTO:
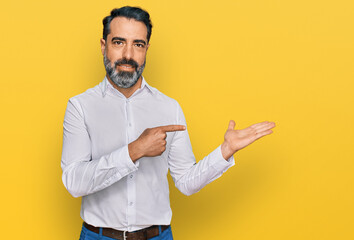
(189, 176)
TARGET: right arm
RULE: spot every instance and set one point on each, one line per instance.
(83, 175)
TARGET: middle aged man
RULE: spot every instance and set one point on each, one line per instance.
(122, 136)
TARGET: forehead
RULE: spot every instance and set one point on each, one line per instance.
(127, 28)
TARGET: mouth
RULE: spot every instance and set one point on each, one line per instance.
(126, 67)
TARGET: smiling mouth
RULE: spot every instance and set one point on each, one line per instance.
(126, 67)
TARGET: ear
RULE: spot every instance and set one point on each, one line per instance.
(147, 46)
(103, 45)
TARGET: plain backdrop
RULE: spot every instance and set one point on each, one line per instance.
(290, 62)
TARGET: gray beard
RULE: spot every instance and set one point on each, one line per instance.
(122, 79)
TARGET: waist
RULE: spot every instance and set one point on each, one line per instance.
(141, 234)
(101, 212)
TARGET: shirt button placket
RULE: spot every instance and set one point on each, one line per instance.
(131, 200)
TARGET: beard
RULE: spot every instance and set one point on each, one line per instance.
(123, 79)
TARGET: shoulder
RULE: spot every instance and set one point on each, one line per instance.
(161, 97)
(91, 94)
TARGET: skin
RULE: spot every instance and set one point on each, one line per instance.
(236, 139)
(128, 39)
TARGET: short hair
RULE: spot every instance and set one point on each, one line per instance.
(135, 13)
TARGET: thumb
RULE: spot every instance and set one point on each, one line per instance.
(231, 125)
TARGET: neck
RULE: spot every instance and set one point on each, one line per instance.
(127, 92)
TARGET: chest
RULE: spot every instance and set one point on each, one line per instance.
(115, 123)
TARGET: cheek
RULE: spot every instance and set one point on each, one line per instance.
(113, 54)
(140, 58)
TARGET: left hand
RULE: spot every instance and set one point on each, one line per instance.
(235, 139)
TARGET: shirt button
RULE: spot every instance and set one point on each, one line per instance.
(130, 124)
(131, 204)
(131, 176)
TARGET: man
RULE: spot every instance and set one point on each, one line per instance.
(122, 136)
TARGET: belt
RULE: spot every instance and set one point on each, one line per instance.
(142, 234)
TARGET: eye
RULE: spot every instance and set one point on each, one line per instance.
(117, 42)
(140, 45)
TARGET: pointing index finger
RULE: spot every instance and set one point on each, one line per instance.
(172, 128)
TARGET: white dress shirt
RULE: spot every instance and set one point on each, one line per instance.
(116, 192)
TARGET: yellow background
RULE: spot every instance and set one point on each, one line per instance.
(285, 61)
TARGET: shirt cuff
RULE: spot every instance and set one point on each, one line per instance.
(124, 163)
(219, 163)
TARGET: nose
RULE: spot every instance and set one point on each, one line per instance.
(128, 52)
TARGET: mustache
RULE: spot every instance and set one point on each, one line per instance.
(130, 62)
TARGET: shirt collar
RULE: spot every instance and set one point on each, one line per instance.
(106, 86)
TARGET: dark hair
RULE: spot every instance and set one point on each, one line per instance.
(128, 12)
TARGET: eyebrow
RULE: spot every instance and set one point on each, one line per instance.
(123, 39)
(139, 41)
(119, 38)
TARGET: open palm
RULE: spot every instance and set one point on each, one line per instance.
(236, 139)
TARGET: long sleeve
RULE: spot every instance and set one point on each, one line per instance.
(117, 192)
(83, 175)
(189, 176)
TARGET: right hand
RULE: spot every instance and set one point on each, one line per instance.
(152, 142)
